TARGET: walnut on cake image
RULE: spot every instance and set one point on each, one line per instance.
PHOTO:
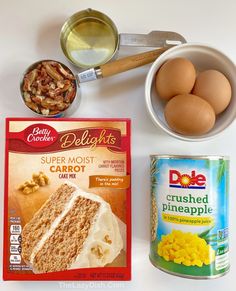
(73, 229)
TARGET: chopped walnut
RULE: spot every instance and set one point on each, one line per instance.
(107, 239)
(38, 99)
(41, 179)
(28, 187)
(32, 106)
(27, 97)
(45, 111)
(97, 251)
(33, 185)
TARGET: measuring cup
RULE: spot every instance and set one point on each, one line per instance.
(89, 38)
(105, 70)
(73, 105)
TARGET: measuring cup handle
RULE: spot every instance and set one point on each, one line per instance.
(155, 38)
(130, 62)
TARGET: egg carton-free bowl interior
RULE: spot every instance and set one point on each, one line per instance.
(203, 57)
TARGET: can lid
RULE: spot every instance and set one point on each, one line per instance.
(195, 157)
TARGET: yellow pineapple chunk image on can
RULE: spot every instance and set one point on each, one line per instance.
(185, 248)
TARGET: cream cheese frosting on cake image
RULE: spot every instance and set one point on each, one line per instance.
(73, 229)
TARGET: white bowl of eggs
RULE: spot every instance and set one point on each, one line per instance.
(190, 92)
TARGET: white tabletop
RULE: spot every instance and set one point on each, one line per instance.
(29, 32)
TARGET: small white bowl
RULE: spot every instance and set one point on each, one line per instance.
(203, 57)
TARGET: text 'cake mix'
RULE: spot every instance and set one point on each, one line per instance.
(67, 199)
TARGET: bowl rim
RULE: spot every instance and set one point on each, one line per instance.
(148, 84)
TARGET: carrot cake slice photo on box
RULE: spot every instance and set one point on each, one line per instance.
(73, 229)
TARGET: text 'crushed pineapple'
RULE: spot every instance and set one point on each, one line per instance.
(185, 248)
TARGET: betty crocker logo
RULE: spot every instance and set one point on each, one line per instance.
(192, 180)
(44, 136)
(40, 135)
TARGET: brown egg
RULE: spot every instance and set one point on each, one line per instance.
(189, 115)
(215, 88)
(176, 76)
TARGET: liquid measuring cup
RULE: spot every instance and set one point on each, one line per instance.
(89, 38)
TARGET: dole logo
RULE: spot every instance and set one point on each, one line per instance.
(40, 135)
(192, 181)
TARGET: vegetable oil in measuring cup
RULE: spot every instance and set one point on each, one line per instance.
(90, 42)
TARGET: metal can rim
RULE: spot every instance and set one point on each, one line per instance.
(193, 157)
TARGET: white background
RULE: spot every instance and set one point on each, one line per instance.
(29, 31)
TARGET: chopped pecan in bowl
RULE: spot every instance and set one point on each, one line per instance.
(48, 88)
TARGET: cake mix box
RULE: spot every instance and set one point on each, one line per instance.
(67, 199)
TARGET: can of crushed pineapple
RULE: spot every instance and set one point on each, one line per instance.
(189, 215)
